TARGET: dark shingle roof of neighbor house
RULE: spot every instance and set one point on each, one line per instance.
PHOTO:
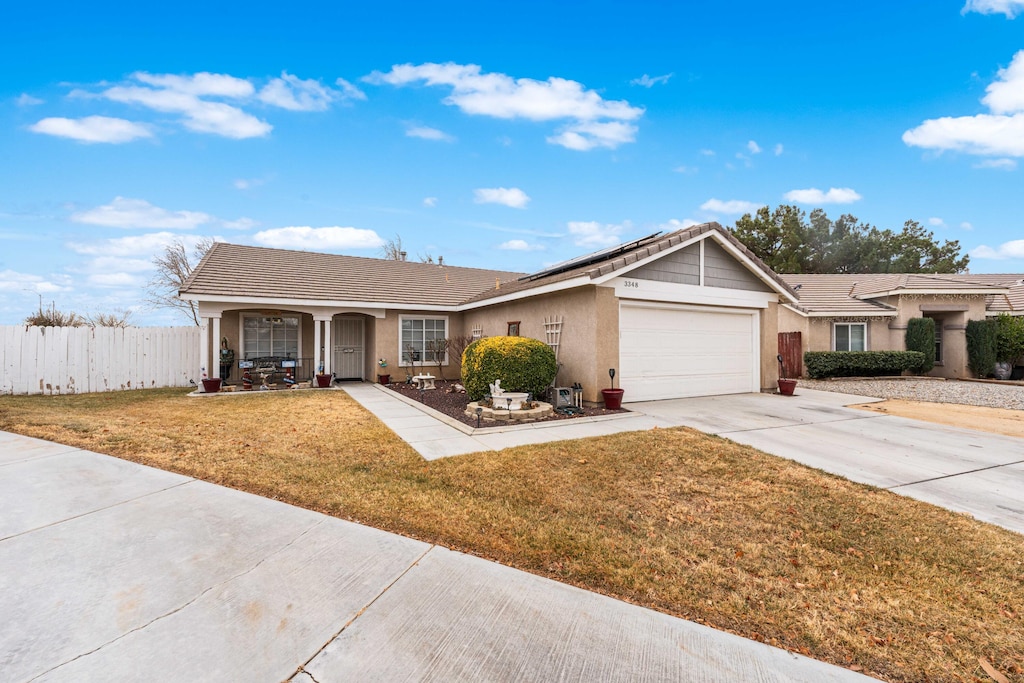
(855, 294)
(647, 249)
(262, 273)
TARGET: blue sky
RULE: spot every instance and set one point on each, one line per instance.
(506, 137)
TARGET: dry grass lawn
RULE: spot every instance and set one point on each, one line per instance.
(682, 522)
(995, 420)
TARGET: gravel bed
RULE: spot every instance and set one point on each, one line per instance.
(985, 394)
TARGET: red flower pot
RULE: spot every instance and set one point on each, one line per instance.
(787, 386)
(384, 379)
(211, 386)
(612, 398)
(323, 381)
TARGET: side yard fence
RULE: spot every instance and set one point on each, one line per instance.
(76, 360)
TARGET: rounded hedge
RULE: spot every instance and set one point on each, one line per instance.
(521, 363)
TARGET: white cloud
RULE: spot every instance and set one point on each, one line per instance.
(508, 196)
(998, 164)
(779, 149)
(1000, 133)
(674, 224)
(428, 133)
(936, 222)
(181, 95)
(134, 246)
(248, 183)
(430, 202)
(1010, 8)
(520, 245)
(685, 169)
(92, 129)
(13, 281)
(707, 152)
(122, 280)
(1007, 250)
(349, 91)
(650, 81)
(593, 234)
(240, 224)
(812, 195)
(966, 226)
(593, 121)
(294, 94)
(26, 100)
(732, 206)
(138, 213)
(753, 147)
(124, 264)
(305, 237)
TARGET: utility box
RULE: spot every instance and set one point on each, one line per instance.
(562, 397)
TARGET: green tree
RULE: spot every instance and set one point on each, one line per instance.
(790, 243)
(920, 336)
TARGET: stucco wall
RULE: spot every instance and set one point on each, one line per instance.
(382, 337)
(584, 311)
(951, 313)
(769, 346)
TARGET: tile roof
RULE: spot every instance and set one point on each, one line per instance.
(262, 273)
(853, 294)
(620, 261)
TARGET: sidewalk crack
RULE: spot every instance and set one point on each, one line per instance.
(362, 610)
(956, 474)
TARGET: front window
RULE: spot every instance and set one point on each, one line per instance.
(271, 336)
(421, 339)
(850, 337)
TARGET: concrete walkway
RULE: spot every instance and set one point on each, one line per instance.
(114, 571)
(435, 435)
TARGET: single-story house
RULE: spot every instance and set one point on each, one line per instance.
(688, 313)
(869, 312)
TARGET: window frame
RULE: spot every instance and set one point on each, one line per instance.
(402, 362)
(849, 337)
(298, 340)
(513, 328)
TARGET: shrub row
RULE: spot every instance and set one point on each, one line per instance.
(921, 337)
(860, 363)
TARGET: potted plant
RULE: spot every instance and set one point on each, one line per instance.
(786, 386)
(323, 380)
(612, 396)
(383, 377)
(211, 385)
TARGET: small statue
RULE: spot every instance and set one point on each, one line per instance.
(496, 389)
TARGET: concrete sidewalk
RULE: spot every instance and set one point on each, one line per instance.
(114, 571)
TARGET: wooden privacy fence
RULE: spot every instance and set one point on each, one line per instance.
(792, 352)
(75, 360)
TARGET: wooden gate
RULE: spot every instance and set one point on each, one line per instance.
(792, 352)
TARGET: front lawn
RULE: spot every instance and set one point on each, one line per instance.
(682, 522)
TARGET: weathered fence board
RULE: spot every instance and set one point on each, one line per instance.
(70, 360)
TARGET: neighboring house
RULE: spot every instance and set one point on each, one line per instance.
(688, 313)
(869, 312)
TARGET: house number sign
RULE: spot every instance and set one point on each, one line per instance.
(631, 284)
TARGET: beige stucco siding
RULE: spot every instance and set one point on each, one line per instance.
(769, 346)
(586, 340)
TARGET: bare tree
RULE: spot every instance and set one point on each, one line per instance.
(457, 346)
(436, 349)
(173, 267)
(51, 317)
(118, 318)
(393, 249)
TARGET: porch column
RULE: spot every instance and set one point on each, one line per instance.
(328, 351)
(204, 348)
(316, 344)
(213, 369)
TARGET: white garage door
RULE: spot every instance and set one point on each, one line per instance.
(676, 351)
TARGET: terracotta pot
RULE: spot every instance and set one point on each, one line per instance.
(211, 385)
(612, 398)
(787, 386)
(323, 381)
(384, 379)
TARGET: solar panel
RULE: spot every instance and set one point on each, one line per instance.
(593, 257)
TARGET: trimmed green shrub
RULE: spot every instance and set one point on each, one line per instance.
(521, 363)
(1009, 338)
(921, 337)
(981, 347)
(860, 363)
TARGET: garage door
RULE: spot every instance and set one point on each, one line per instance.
(677, 351)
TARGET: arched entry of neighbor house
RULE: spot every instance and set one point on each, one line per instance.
(349, 347)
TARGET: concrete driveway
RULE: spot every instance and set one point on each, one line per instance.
(111, 571)
(968, 471)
